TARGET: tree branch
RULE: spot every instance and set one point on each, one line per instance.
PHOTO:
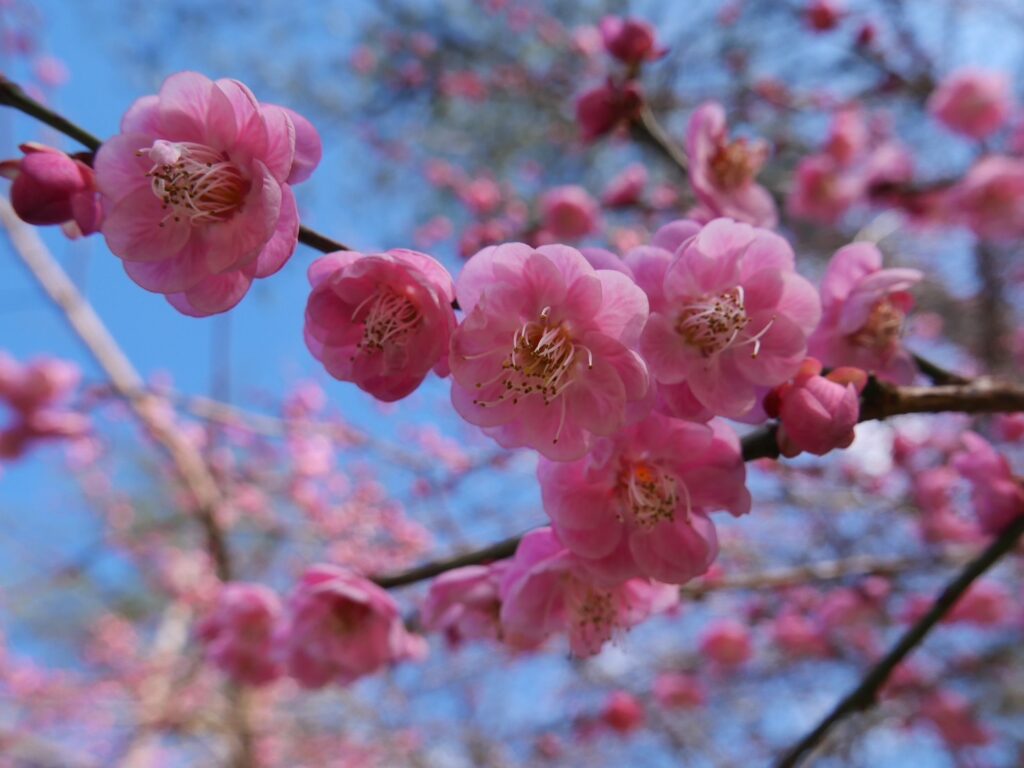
(648, 130)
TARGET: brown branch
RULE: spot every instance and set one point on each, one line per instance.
(498, 551)
(936, 373)
(647, 129)
(864, 695)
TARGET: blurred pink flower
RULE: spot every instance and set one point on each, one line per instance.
(569, 212)
(626, 188)
(822, 190)
(952, 717)
(973, 102)
(631, 41)
(726, 642)
(677, 690)
(990, 198)
(824, 15)
(602, 109)
(622, 712)
(240, 633)
(997, 495)
(464, 603)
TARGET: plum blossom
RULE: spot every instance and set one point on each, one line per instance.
(239, 634)
(545, 590)
(817, 413)
(626, 188)
(51, 187)
(603, 108)
(543, 358)
(722, 172)
(465, 603)
(631, 41)
(381, 320)
(677, 690)
(197, 190)
(863, 311)
(824, 15)
(823, 190)
(568, 213)
(637, 504)
(727, 642)
(622, 712)
(997, 495)
(990, 198)
(972, 102)
(35, 394)
(341, 626)
(735, 317)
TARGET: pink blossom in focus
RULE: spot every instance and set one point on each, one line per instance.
(727, 642)
(622, 712)
(637, 504)
(545, 590)
(631, 41)
(863, 311)
(569, 212)
(380, 320)
(50, 187)
(722, 172)
(239, 634)
(340, 627)
(464, 603)
(197, 190)
(543, 357)
(973, 102)
(990, 198)
(625, 189)
(676, 690)
(817, 413)
(997, 495)
(603, 108)
(735, 320)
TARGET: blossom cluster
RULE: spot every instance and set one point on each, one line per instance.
(36, 393)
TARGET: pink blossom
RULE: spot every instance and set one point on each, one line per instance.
(35, 393)
(631, 41)
(568, 212)
(822, 190)
(50, 187)
(625, 189)
(342, 626)
(722, 172)
(603, 108)
(197, 190)
(823, 15)
(239, 634)
(464, 603)
(735, 320)
(637, 504)
(380, 320)
(951, 715)
(817, 413)
(997, 495)
(799, 636)
(990, 198)
(677, 690)
(622, 712)
(848, 136)
(727, 642)
(545, 590)
(543, 358)
(973, 102)
(863, 311)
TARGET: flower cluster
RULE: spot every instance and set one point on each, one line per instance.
(35, 393)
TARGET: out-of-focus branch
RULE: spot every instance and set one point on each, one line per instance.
(864, 695)
(991, 307)
(12, 95)
(647, 129)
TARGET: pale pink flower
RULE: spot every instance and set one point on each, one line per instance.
(722, 172)
(239, 634)
(622, 712)
(380, 320)
(50, 187)
(342, 626)
(626, 188)
(603, 108)
(727, 642)
(973, 102)
(817, 413)
(543, 357)
(569, 212)
(863, 311)
(465, 603)
(545, 590)
(197, 190)
(736, 320)
(677, 690)
(631, 41)
(997, 495)
(990, 198)
(637, 504)
(823, 190)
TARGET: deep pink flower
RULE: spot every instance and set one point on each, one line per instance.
(626, 188)
(990, 198)
(50, 187)
(622, 712)
(952, 717)
(603, 108)
(35, 393)
(677, 690)
(973, 102)
(817, 413)
(799, 636)
(569, 212)
(997, 495)
(637, 504)
(863, 310)
(240, 633)
(631, 41)
(543, 358)
(381, 320)
(342, 626)
(823, 190)
(464, 603)
(823, 15)
(197, 190)
(736, 319)
(722, 172)
(727, 642)
(545, 590)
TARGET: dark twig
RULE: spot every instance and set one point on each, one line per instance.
(498, 551)
(647, 129)
(937, 374)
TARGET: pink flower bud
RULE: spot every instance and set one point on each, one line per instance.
(600, 110)
(973, 102)
(240, 632)
(727, 642)
(631, 41)
(569, 212)
(818, 413)
(52, 188)
(622, 712)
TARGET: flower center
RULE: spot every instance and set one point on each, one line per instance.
(882, 329)
(593, 613)
(195, 181)
(713, 324)
(649, 494)
(387, 317)
(736, 163)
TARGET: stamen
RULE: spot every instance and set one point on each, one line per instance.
(650, 494)
(883, 328)
(387, 317)
(713, 323)
(195, 180)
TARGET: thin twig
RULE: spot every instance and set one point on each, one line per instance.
(648, 130)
